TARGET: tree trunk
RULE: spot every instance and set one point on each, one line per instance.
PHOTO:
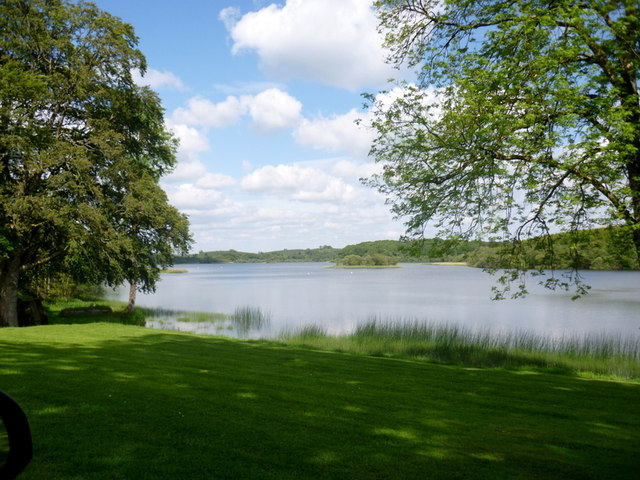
(9, 275)
(31, 313)
(133, 290)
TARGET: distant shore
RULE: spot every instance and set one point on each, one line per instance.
(363, 266)
(450, 264)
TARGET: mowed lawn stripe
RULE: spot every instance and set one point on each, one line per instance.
(114, 401)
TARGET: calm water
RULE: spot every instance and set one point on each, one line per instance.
(293, 295)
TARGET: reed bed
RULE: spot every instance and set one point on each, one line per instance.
(598, 354)
(242, 319)
(248, 318)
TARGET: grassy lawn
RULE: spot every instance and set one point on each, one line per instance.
(124, 402)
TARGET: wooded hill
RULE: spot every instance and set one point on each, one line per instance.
(598, 249)
(400, 252)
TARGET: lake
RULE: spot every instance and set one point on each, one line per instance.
(293, 295)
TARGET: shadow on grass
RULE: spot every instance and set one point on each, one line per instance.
(112, 401)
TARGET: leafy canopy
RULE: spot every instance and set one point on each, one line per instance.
(81, 151)
(524, 119)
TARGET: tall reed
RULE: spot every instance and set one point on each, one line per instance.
(600, 354)
(248, 318)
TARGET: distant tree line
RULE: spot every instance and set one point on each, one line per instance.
(608, 248)
(396, 251)
(320, 254)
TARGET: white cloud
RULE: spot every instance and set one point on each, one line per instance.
(203, 112)
(428, 98)
(271, 109)
(329, 41)
(285, 206)
(230, 16)
(215, 180)
(192, 144)
(188, 196)
(298, 183)
(274, 109)
(246, 88)
(351, 170)
(157, 79)
(187, 170)
(191, 139)
(337, 133)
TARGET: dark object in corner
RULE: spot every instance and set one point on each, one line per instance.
(31, 313)
(71, 312)
(19, 435)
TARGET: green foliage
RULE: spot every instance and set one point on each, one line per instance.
(399, 251)
(81, 151)
(376, 259)
(599, 249)
(525, 119)
(109, 401)
(605, 355)
(321, 254)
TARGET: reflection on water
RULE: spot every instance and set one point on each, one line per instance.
(293, 295)
(244, 322)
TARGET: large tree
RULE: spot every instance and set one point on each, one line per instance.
(524, 118)
(81, 151)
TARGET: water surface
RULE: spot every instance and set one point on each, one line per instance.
(293, 295)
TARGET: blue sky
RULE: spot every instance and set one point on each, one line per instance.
(263, 98)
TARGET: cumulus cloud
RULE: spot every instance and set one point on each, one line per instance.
(336, 133)
(203, 112)
(271, 109)
(350, 170)
(334, 42)
(192, 142)
(191, 139)
(274, 109)
(157, 79)
(204, 204)
(298, 183)
(296, 205)
(188, 196)
(186, 170)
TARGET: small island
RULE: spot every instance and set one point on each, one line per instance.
(175, 270)
(375, 260)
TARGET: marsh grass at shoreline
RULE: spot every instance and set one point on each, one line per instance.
(588, 355)
(598, 354)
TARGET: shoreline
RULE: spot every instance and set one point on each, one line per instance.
(449, 264)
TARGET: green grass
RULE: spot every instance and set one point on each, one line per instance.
(109, 401)
(54, 308)
(604, 355)
(201, 317)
